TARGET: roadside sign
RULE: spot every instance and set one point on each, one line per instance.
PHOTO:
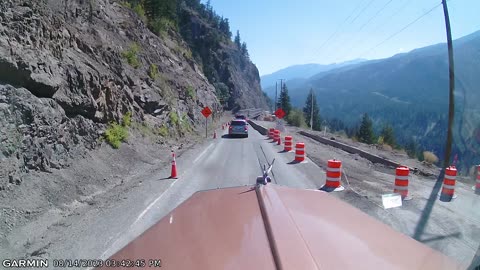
(280, 113)
(206, 112)
(391, 200)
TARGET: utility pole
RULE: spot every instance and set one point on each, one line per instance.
(276, 95)
(311, 110)
(451, 73)
(281, 85)
(419, 229)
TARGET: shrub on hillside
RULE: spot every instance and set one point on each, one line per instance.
(163, 131)
(387, 147)
(131, 55)
(153, 71)
(380, 140)
(116, 134)
(162, 25)
(138, 8)
(430, 157)
(191, 92)
(296, 118)
(127, 119)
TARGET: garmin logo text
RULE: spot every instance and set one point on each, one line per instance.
(22, 263)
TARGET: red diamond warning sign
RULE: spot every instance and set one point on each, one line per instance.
(280, 113)
(206, 112)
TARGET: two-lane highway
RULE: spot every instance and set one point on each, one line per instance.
(224, 162)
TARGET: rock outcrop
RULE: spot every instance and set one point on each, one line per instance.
(70, 67)
(223, 61)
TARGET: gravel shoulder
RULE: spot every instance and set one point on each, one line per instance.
(49, 214)
(453, 228)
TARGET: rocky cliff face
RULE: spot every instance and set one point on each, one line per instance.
(69, 67)
(223, 62)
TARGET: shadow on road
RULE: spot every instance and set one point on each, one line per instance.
(294, 162)
(166, 178)
(441, 237)
(226, 136)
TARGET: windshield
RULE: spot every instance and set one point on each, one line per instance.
(239, 123)
(114, 113)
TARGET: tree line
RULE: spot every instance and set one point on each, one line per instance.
(309, 117)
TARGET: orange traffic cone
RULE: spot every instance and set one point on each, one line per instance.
(174, 167)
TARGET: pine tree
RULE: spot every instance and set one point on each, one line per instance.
(284, 100)
(365, 133)
(245, 50)
(225, 27)
(156, 9)
(237, 40)
(388, 136)
(411, 148)
(307, 111)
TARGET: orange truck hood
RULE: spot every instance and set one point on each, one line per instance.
(275, 227)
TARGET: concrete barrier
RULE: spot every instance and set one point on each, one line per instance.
(353, 150)
(259, 128)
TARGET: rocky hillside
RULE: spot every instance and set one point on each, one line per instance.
(68, 68)
(225, 63)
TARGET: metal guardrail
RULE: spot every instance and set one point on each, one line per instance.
(252, 112)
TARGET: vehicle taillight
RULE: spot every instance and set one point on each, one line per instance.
(246, 128)
(230, 127)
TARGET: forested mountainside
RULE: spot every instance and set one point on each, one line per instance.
(410, 92)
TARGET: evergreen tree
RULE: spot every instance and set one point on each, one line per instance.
(284, 100)
(365, 133)
(411, 147)
(388, 136)
(156, 9)
(244, 50)
(225, 27)
(237, 40)
(307, 111)
(336, 124)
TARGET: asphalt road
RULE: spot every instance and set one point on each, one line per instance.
(223, 162)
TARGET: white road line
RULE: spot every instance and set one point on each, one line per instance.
(138, 218)
(153, 203)
(203, 153)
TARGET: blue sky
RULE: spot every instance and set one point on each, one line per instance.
(282, 33)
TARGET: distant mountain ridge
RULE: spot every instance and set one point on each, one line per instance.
(301, 72)
(410, 91)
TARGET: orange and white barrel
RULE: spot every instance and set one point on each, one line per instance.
(300, 152)
(448, 188)
(334, 174)
(401, 181)
(288, 144)
(270, 133)
(276, 135)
